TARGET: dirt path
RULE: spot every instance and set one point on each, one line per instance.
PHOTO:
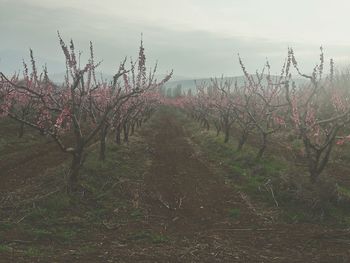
(182, 188)
(181, 212)
(205, 220)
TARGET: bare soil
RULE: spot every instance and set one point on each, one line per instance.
(189, 214)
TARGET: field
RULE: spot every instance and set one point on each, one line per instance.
(174, 131)
(174, 193)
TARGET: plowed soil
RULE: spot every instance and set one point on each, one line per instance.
(192, 215)
(191, 205)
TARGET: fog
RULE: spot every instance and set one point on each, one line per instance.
(194, 38)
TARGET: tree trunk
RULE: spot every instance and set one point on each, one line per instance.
(126, 132)
(218, 129)
(262, 147)
(21, 130)
(132, 129)
(73, 174)
(321, 159)
(314, 176)
(118, 135)
(227, 133)
(206, 124)
(103, 136)
(227, 128)
(242, 141)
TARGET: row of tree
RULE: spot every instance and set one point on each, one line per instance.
(314, 107)
(83, 108)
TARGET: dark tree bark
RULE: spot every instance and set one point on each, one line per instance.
(242, 140)
(118, 135)
(132, 129)
(263, 146)
(21, 130)
(126, 132)
(103, 137)
(77, 162)
(217, 127)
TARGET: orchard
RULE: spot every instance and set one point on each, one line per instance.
(315, 108)
(75, 113)
(134, 168)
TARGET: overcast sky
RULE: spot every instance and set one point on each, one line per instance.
(196, 38)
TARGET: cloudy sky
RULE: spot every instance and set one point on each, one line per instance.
(196, 38)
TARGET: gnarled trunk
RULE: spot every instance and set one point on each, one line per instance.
(227, 134)
(103, 136)
(118, 135)
(73, 175)
(262, 147)
(21, 130)
(126, 132)
(218, 128)
(242, 141)
(132, 129)
(317, 158)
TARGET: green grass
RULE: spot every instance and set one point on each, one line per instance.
(64, 234)
(296, 216)
(148, 236)
(234, 213)
(159, 238)
(51, 210)
(11, 144)
(34, 252)
(136, 214)
(5, 249)
(344, 191)
(255, 177)
(4, 226)
(61, 219)
(297, 144)
(87, 249)
(248, 174)
(40, 234)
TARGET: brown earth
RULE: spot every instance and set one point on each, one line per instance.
(18, 169)
(192, 215)
(191, 205)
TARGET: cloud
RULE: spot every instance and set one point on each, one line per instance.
(195, 38)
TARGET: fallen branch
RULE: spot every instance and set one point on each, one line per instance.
(163, 202)
(268, 186)
(246, 229)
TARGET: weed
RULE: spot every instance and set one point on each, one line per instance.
(295, 216)
(51, 208)
(234, 213)
(236, 170)
(343, 191)
(148, 236)
(4, 248)
(65, 234)
(87, 249)
(136, 213)
(33, 252)
(158, 238)
(6, 226)
(40, 234)
(142, 235)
